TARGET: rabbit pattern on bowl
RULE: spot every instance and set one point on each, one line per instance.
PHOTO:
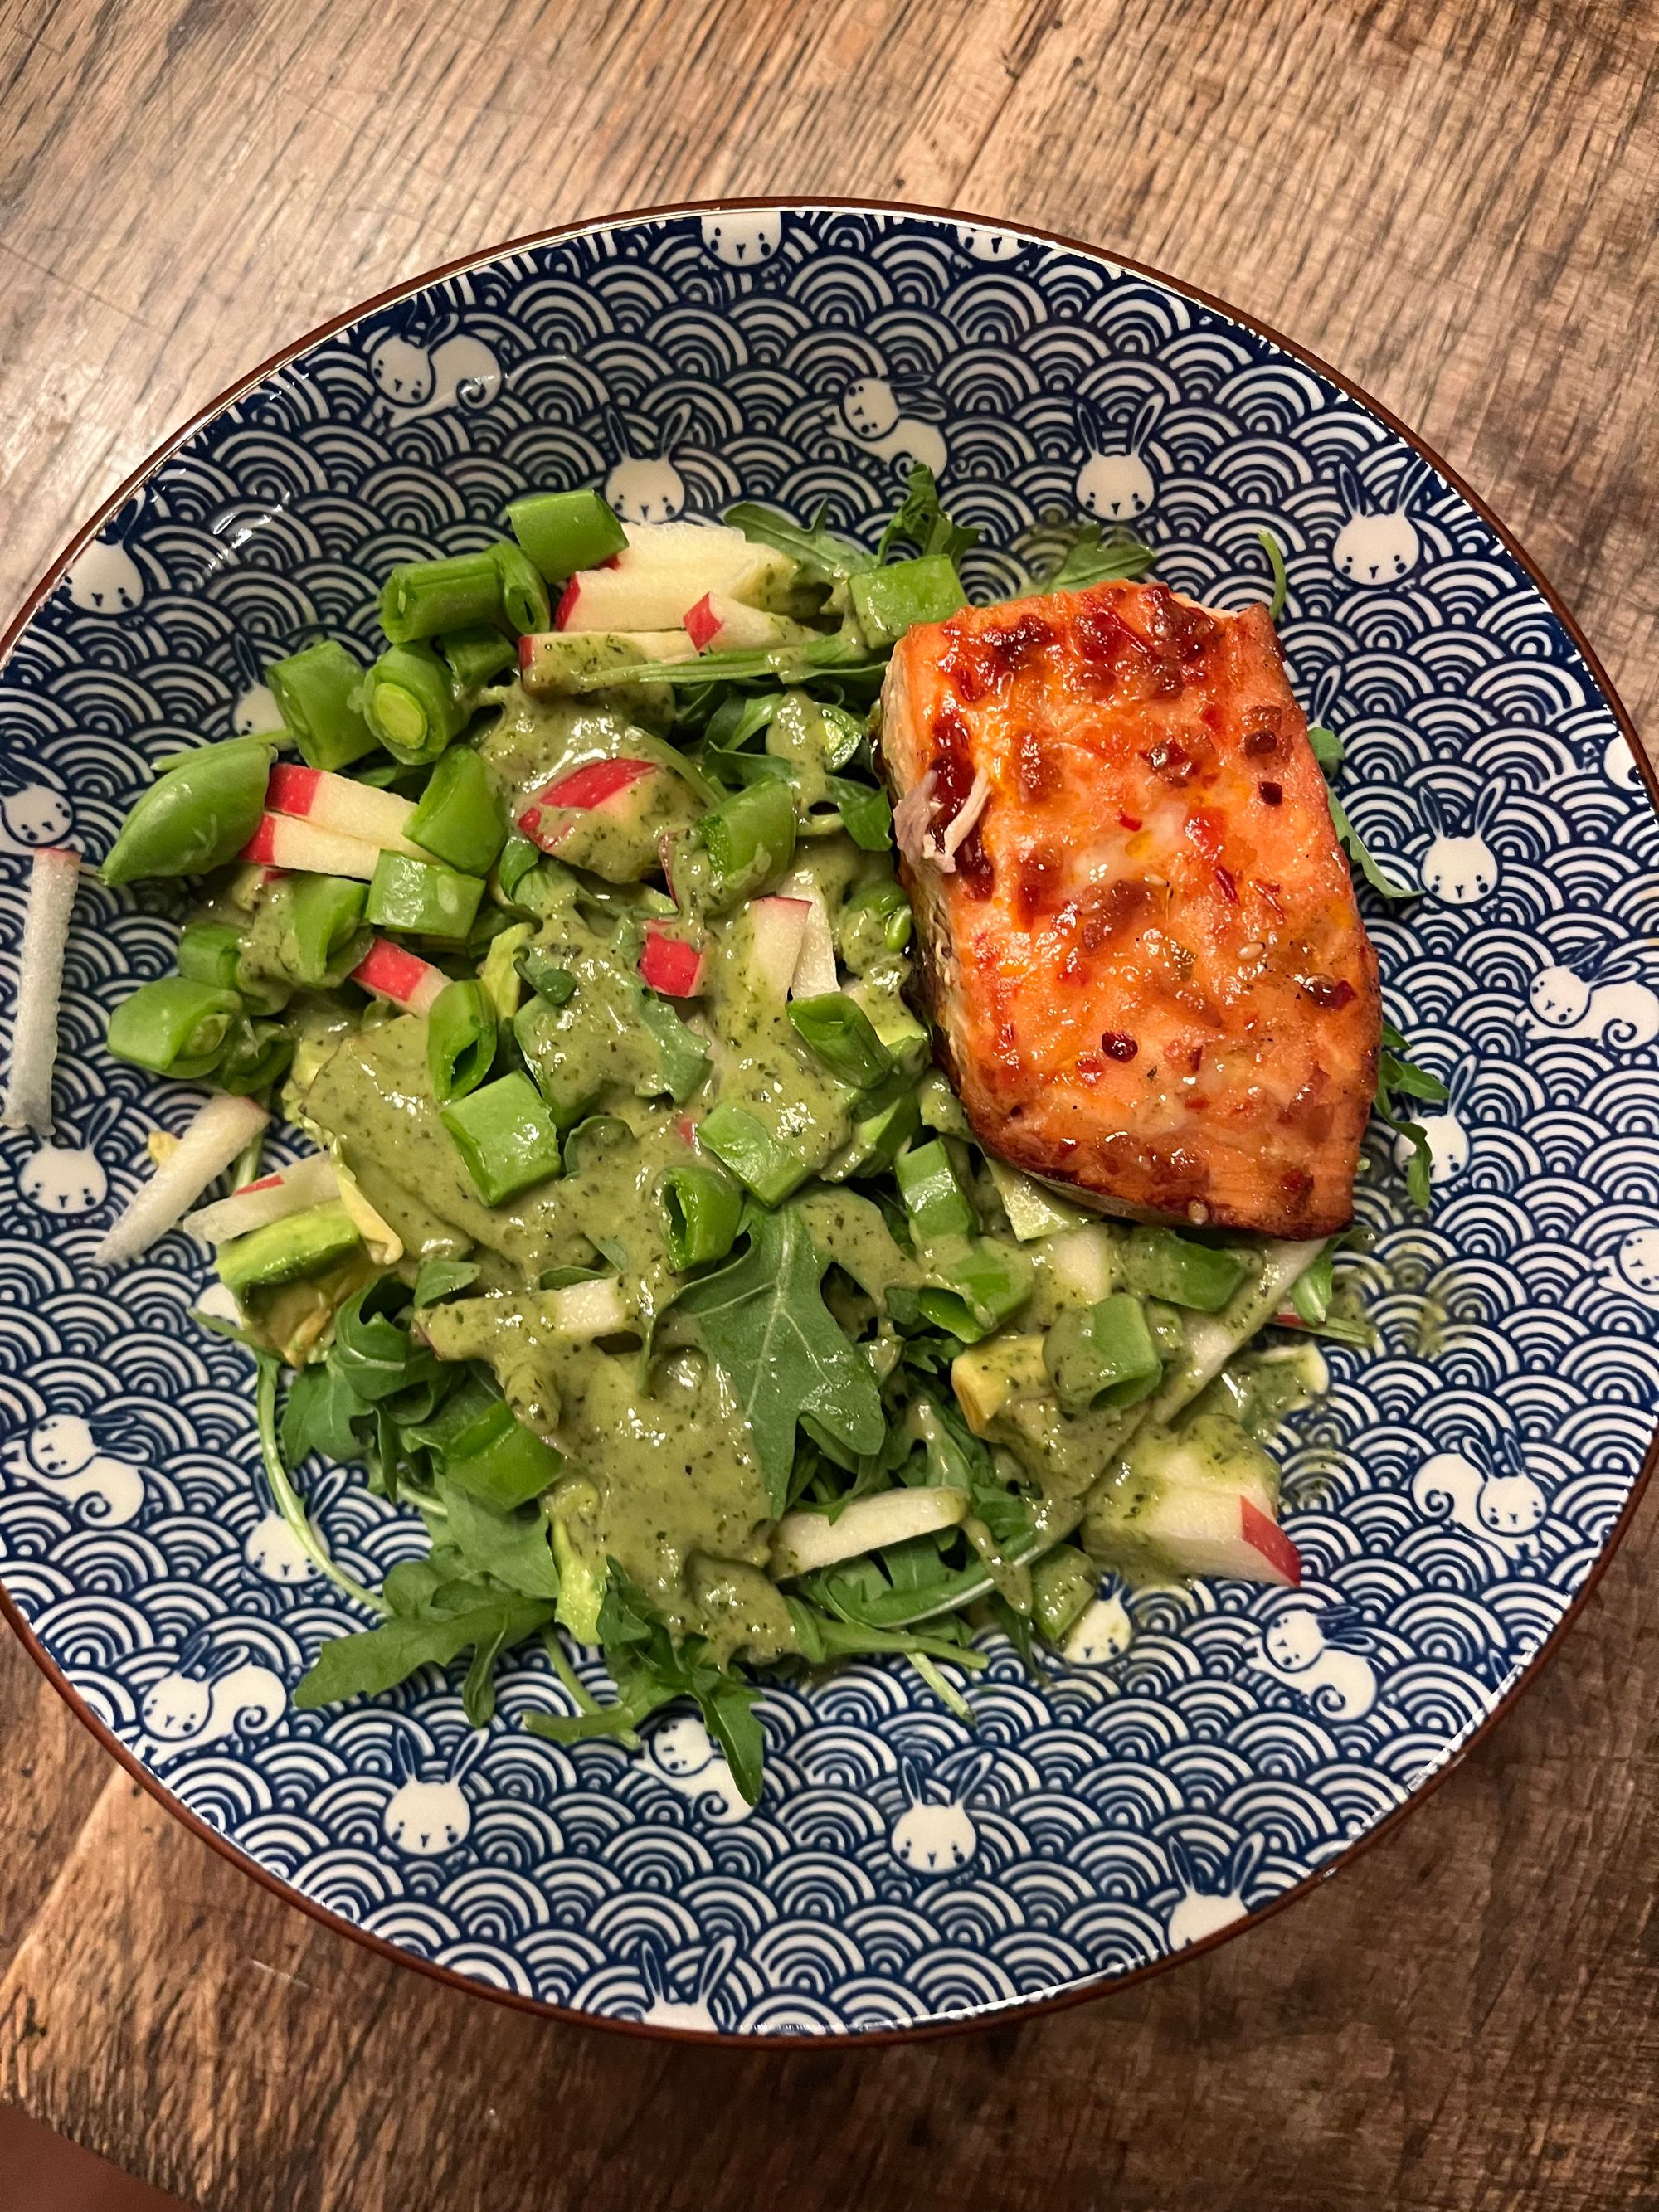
(900, 1869)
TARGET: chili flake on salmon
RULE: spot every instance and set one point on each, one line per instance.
(1144, 959)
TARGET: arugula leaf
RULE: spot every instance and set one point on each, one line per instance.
(285, 1497)
(763, 1320)
(727, 1704)
(375, 1354)
(1327, 747)
(1354, 845)
(565, 1278)
(458, 1617)
(217, 1325)
(816, 549)
(866, 815)
(892, 1588)
(1398, 1077)
(957, 1460)
(920, 521)
(1021, 1633)
(513, 1548)
(650, 1672)
(478, 1690)
(321, 1415)
(1329, 751)
(442, 1279)
(842, 654)
(739, 717)
(1090, 562)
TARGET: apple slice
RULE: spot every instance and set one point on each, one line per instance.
(281, 841)
(660, 578)
(815, 965)
(390, 971)
(1199, 1500)
(802, 1541)
(608, 816)
(586, 1310)
(1205, 1529)
(671, 964)
(767, 942)
(335, 802)
(719, 623)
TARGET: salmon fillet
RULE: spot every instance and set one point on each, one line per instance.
(1141, 948)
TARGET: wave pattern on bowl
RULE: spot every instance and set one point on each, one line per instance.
(1448, 1497)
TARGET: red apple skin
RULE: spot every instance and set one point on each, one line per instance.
(585, 790)
(1267, 1537)
(292, 790)
(672, 965)
(595, 783)
(397, 974)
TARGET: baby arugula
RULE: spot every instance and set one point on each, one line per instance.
(650, 1672)
(437, 1609)
(763, 1320)
(1397, 1078)
(1328, 751)
(920, 521)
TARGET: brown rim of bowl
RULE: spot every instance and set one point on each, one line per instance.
(1096, 1985)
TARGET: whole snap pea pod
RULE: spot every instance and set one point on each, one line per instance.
(195, 816)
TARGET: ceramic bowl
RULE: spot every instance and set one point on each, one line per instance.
(1453, 1496)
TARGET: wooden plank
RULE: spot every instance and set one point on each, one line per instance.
(1455, 206)
(54, 1771)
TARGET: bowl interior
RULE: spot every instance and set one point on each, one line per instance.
(1450, 1496)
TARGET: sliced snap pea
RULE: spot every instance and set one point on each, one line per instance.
(322, 937)
(316, 694)
(980, 1290)
(524, 595)
(476, 654)
(423, 598)
(702, 1208)
(208, 952)
(173, 1026)
(1161, 1263)
(422, 898)
(758, 1159)
(936, 1202)
(410, 703)
(506, 1137)
(749, 840)
(564, 531)
(1103, 1355)
(461, 1036)
(459, 817)
(843, 1036)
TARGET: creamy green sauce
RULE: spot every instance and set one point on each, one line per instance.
(662, 1473)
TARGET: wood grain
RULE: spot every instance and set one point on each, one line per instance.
(1455, 205)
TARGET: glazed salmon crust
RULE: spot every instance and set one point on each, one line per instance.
(1140, 946)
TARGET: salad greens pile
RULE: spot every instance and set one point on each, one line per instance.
(643, 1256)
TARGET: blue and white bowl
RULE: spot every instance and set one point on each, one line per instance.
(1453, 1496)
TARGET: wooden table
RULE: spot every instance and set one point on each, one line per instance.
(1454, 203)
